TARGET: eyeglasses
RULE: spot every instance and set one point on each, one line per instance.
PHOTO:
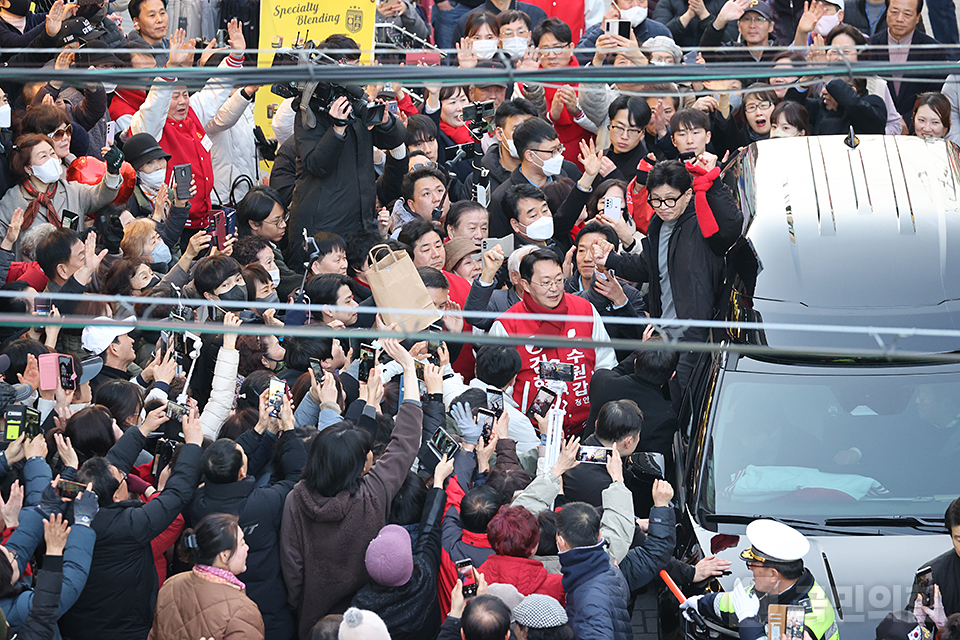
(657, 203)
(420, 165)
(58, 135)
(753, 20)
(550, 284)
(753, 106)
(621, 131)
(553, 152)
(279, 222)
(522, 33)
(552, 52)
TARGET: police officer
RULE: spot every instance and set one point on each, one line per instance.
(776, 559)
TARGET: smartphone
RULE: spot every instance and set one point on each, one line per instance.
(49, 364)
(367, 362)
(70, 490)
(617, 27)
(541, 403)
(70, 220)
(221, 37)
(562, 371)
(486, 419)
(111, 132)
(506, 244)
(443, 443)
(31, 423)
(68, 379)
(612, 207)
(495, 401)
(13, 422)
(925, 584)
(594, 455)
(182, 23)
(688, 156)
(41, 306)
(166, 450)
(418, 365)
(393, 108)
(317, 369)
(650, 463)
(182, 175)
(275, 396)
(467, 578)
(176, 412)
(219, 224)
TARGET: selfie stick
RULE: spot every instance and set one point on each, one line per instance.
(194, 355)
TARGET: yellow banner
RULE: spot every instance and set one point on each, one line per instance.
(290, 23)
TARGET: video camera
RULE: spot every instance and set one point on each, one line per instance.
(326, 93)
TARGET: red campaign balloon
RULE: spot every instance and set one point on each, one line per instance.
(90, 170)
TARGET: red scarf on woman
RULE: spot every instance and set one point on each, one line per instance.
(40, 199)
(460, 135)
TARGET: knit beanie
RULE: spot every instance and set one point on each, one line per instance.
(362, 625)
(389, 557)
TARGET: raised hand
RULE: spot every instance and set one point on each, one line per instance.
(235, 35)
(68, 455)
(465, 55)
(13, 230)
(568, 456)
(55, 532)
(11, 508)
(180, 49)
(590, 158)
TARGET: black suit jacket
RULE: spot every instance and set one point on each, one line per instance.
(908, 91)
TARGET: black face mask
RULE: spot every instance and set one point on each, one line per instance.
(19, 7)
(237, 294)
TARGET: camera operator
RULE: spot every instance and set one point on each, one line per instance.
(333, 191)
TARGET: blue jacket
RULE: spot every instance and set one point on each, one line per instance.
(11, 37)
(597, 594)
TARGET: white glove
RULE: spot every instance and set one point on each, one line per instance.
(690, 603)
(745, 606)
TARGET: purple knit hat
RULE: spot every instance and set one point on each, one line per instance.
(389, 557)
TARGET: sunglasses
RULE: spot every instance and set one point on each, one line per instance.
(59, 134)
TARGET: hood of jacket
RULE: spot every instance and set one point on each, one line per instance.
(320, 508)
(526, 574)
(583, 564)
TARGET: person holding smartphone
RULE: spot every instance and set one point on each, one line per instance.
(939, 598)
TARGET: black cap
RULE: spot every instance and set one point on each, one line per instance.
(490, 64)
(141, 149)
(77, 30)
(761, 7)
(901, 625)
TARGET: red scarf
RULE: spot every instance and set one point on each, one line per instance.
(460, 135)
(555, 326)
(40, 199)
(702, 181)
(637, 205)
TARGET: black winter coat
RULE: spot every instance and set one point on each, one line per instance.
(122, 570)
(668, 12)
(643, 563)
(597, 594)
(259, 510)
(695, 263)
(855, 14)
(499, 221)
(335, 174)
(867, 114)
(412, 611)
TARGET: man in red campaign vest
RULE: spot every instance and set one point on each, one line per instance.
(541, 278)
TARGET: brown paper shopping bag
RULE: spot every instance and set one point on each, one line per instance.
(395, 284)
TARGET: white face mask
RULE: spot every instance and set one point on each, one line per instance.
(485, 48)
(77, 407)
(5, 116)
(512, 149)
(636, 15)
(152, 180)
(540, 229)
(553, 166)
(48, 172)
(275, 276)
(736, 100)
(515, 47)
(109, 87)
(780, 133)
(827, 23)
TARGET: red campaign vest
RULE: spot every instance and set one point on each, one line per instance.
(183, 140)
(465, 364)
(570, 11)
(126, 102)
(569, 132)
(576, 399)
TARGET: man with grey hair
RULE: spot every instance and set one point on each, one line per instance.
(27, 269)
(484, 296)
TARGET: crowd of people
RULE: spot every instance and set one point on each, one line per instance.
(232, 483)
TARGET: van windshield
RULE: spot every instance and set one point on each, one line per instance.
(834, 445)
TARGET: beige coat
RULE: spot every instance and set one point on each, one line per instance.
(190, 607)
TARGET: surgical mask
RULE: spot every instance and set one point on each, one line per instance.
(272, 297)
(780, 133)
(274, 276)
(553, 166)
(636, 15)
(736, 100)
(109, 87)
(161, 253)
(154, 280)
(659, 63)
(5, 116)
(515, 47)
(540, 229)
(48, 172)
(826, 24)
(512, 149)
(485, 49)
(152, 180)
(237, 294)
(77, 407)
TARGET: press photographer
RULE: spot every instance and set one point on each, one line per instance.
(335, 140)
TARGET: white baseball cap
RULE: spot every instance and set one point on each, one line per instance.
(101, 333)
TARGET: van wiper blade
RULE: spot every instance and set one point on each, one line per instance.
(885, 521)
(808, 525)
